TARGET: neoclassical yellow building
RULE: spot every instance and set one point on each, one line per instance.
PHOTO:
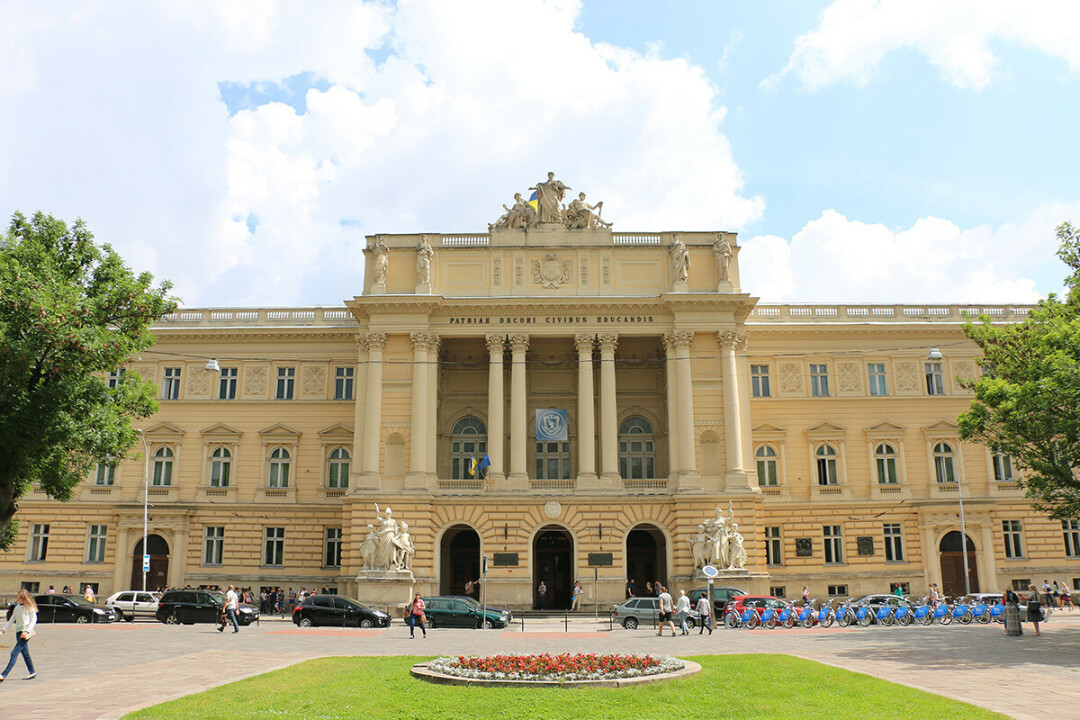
(829, 430)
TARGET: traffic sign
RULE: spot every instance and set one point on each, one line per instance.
(709, 571)
(146, 563)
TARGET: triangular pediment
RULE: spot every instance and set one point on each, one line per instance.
(942, 428)
(336, 431)
(221, 429)
(827, 427)
(885, 427)
(767, 428)
(163, 429)
(280, 430)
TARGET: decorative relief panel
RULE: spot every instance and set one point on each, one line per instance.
(146, 372)
(519, 272)
(965, 370)
(313, 385)
(198, 380)
(605, 271)
(584, 262)
(496, 272)
(791, 378)
(907, 377)
(849, 377)
(551, 272)
(255, 379)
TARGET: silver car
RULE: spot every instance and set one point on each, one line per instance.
(639, 610)
(134, 603)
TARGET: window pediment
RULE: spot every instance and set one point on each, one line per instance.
(221, 431)
(281, 431)
(766, 431)
(942, 429)
(336, 432)
(164, 432)
(826, 431)
(884, 431)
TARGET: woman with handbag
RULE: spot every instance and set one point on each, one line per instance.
(23, 618)
(1034, 607)
(416, 617)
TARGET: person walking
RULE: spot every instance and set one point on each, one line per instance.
(1066, 599)
(415, 616)
(541, 593)
(630, 589)
(23, 618)
(1034, 608)
(232, 604)
(682, 611)
(704, 608)
(90, 594)
(667, 609)
(576, 593)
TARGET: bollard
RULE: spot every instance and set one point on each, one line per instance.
(1012, 620)
(566, 621)
(522, 621)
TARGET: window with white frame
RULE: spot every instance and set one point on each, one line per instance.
(876, 375)
(553, 461)
(220, 467)
(1003, 468)
(114, 378)
(163, 462)
(885, 459)
(759, 381)
(826, 465)
(227, 383)
(213, 544)
(637, 457)
(774, 553)
(95, 543)
(332, 556)
(279, 469)
(170, 386)
(274, 546)
(286, 382)
(337, 475)
(1070, 530)
(1014, 547)
(944, 469)
(819, 380)
(105, 473)
(935, 379)
(894, 542)
(766, 466)
(39, 542)
(834, 544)
(343, 383)
(468, 440)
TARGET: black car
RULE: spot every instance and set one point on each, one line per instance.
(68, 608)
(199, 606)
(462, 611)
(720, 597)
(337, 611)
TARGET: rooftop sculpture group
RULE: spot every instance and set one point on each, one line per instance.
(549, 210)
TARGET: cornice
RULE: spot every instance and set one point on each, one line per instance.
(203, 334)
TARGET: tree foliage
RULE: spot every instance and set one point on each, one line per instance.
(1027, 403)
(70, 310)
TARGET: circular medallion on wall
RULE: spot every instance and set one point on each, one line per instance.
(553, 509)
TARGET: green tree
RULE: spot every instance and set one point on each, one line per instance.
(70, 310)
(1027, 403)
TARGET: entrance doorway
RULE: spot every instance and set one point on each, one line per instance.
(553, 562)
(951, 550)
(460, 564)
(646, 557)
(158, 577)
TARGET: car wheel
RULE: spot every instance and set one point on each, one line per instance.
(630, 623)
(367, 623)
(487, 625)
(306, 622)
(82, 619)
(430, 623)
(172, 619)
(690, 623)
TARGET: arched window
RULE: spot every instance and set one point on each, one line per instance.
(637, 459)
(943, 463)
(279, 469)
(467, 441)
(338, 473)
(220, 466)
(826, 466)
(885, 456)
(163, 460)
(766, 466)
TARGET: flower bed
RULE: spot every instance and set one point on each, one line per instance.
(568, 667)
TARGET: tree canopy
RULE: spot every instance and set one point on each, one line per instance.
(70, 311)
(1027, 402)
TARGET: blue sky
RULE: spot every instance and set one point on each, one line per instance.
(864, 150)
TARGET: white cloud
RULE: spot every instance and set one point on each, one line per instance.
(956, 37)
(834, 259)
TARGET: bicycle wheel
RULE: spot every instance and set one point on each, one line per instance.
(866, 619)
(790, 622)
(965, 619)
(731, 621)
(906, 619)
(828, 621)
(844, 620)
(770, 624)
(946, 618)
(753, 622)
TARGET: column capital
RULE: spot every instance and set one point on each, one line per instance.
(679, 338)
(519, 343)
(584, 342)
(608, 341)
(423, 340)
(495, 343)
(736, 338)
(371, 341)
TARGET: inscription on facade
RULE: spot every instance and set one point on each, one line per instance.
(552, 320)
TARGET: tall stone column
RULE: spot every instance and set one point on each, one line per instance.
(356, 462)
(672, 408)
(736, 479)
(586, 403)
(519, 476)
(689, 476)
(496, 345)
(417, 478)
(609, 414)
(433, 409)
(122, 569)
(371, 478)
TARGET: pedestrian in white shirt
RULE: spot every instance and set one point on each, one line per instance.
(682, 611)
(232, 604)
(24, 617)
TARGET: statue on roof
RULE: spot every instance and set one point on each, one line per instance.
(580, 216)
(521, 215)
(549, 196)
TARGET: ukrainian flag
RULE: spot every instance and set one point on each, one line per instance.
(472, 466)
(534, 202)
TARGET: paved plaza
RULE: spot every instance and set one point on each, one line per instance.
(87, 672)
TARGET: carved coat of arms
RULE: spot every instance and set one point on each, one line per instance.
(551, 272)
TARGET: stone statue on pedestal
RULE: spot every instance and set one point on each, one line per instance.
(680, 259)
(549, 196)
(722, 249)
(424, 253)
(718, 542)
(580, 215)
(382, 261)
(388, 546)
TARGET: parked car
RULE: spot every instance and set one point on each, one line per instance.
(640, 610)
(199, 606)
(68, 608)
(134, 603)
(720, 597)
(462, 611)
(995, 599)
(337, 611)
(759, 602)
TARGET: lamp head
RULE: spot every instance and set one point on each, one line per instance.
(212, 365)
(934, 354)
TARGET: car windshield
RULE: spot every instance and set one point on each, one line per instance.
(80, 600)
(219, 597)
(470, 602)
(354, 601)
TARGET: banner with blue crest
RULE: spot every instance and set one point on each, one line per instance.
(551, 426)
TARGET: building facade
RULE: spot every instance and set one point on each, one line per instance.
(828, 430)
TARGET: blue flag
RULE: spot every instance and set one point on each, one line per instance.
(484, 462)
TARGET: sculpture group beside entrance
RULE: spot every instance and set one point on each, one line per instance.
(388, 545)
(718, 542)
(549, 210)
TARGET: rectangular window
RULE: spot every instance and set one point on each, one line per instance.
(935, 379)
(1003, 470)
(1071, 531)
(286, 381)
(114, 378)
(105, 474)
(333, 547)
(1021, 584)
(170, 387)
(778, 591)
(837, 590)
(29, 586)
(904, 587)
(39, 542)
(819, 380)
(95, 545)
(894, 542)
(834, 548)
(274, 550)
(227, 384)
(214, 544)
(773, 547)
(1013, 546)
(876, 375)
(553, 462)
(759, 380)
(343, 383)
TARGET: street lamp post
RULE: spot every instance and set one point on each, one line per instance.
(146, 503)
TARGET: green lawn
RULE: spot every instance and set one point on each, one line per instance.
(729, 686)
